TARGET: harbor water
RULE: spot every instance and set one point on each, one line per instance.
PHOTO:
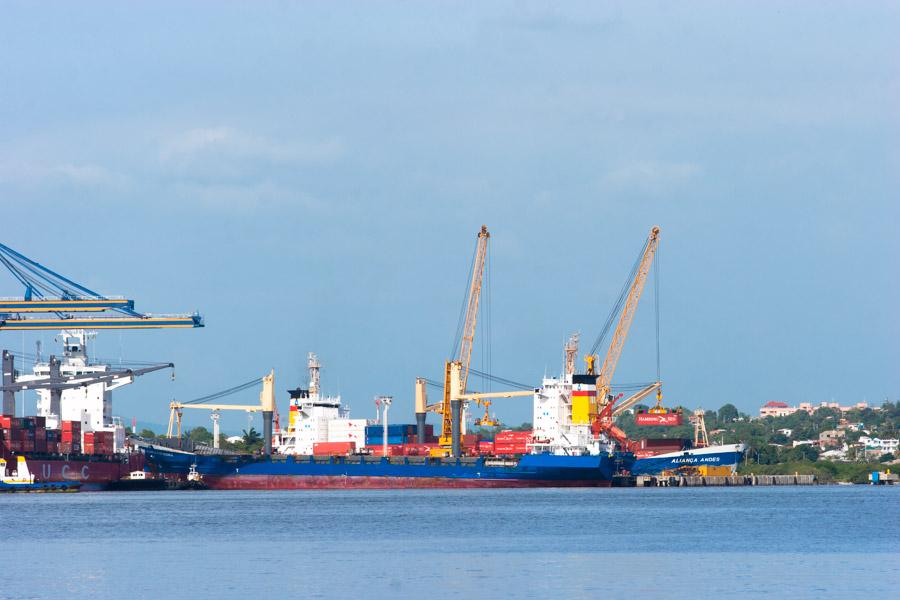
(780, 542)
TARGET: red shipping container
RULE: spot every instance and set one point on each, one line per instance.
(393, 450)
(514, 436)
(333, 448)
(486, 447)
(5, 422)
(663, 420)
(71, 425)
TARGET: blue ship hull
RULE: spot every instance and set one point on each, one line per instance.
(713, 456)
(304, 472)
(41, 486)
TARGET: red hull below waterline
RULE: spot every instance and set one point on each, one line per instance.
(92, 474)
(294, 482)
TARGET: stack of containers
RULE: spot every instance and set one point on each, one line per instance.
(24, 434)
(99, 442)
(10, 428)
(651, 447)
(347, 430)
(485, 447)
(397, 434)
(70, 437)
(512, 442)
(53, 438)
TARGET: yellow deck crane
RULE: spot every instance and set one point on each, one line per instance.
(266, 406)
(456, 372)
(599, 411)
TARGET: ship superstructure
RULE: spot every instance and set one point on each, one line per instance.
(558, 429)
(316, 418)
(89, 404)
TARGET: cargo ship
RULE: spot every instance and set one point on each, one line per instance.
(673, 455)
(323, 448)
(727, 455)
(74, 437)
(366, 471)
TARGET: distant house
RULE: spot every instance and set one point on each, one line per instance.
(796, 443)
(773, 408)
(234, 439)
(786, 432)
(831, 438)
(776, 409)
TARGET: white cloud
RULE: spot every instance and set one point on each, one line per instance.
(197, 145)
(31, 173)
(243, 198)
(650, 176)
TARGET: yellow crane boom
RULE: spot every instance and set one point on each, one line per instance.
(604, 379)
(456, 384)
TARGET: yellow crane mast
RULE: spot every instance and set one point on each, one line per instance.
(604, 379)
(450, 407)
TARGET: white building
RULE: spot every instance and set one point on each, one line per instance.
(884, 445)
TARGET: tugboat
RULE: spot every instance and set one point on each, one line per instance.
(194, 480)
(138, 481)
(21, 480)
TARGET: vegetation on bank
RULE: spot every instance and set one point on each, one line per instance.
(251, 441)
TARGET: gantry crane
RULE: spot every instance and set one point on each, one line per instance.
(50, 293)
(266, 406)
(601, 409)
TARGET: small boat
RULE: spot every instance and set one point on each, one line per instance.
(21, 480)
(138, 481)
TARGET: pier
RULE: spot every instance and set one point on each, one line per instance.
(718, 481)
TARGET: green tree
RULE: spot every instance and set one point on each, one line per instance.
(728, 413)
(252, 441)
(886, 457)
(200, 435)
(147, 433)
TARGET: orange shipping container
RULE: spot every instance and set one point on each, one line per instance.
(333, 448)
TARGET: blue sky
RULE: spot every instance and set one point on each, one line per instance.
(312, 176)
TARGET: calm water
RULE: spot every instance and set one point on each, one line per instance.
(798, 542)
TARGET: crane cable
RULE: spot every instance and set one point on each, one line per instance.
(223, 393)
(617, 308)
(460, 322)
(656, 309)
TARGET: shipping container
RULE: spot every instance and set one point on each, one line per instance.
(658, 420)
(333, 448)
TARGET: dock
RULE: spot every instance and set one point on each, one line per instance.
(719, 481)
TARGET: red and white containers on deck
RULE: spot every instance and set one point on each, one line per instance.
(347, 431)
(512, 442)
